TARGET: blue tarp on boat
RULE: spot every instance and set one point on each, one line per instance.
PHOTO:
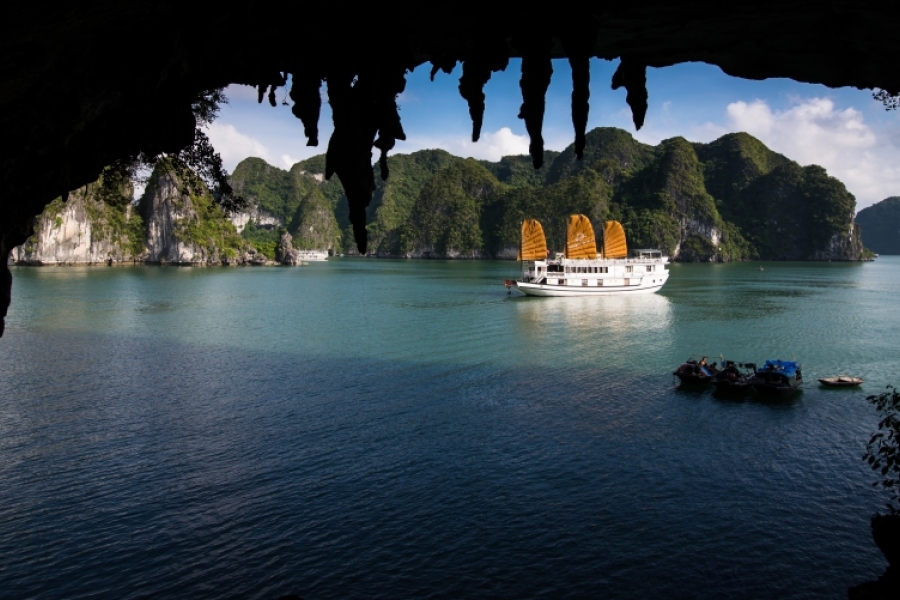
(788, 367)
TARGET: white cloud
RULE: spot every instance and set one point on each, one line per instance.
(288, 161)
(235, 146)
(238, 92)
(814, 131)
(491, 146)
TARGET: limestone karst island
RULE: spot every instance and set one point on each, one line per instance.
(731, 199)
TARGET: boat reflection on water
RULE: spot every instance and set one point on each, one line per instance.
(605, 330)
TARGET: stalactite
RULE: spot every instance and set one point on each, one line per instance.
(346, 155)
(475, 73)
(339, 90)
(632, 75)
(578, 45)
(307, 106)
(387, 115)
(443, 62)
(270, 83)
(536, 72)
(361, 111)
(477, 68)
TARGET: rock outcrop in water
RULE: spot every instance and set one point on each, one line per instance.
(167, 226)
(187, 229)
(84, 230)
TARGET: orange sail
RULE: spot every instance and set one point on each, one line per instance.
(580, 241)
(534, 244)
(614, 245)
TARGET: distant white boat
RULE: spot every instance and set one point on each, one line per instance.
(311, 255)
(581, 270)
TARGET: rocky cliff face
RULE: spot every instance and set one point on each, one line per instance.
(167, 226)
(257, 215)
(187, 229)
(164, 209)
(82, 231)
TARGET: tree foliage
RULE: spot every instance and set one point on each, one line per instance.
(198, 167)
(264, 240)
(890, 101)
(883, 449)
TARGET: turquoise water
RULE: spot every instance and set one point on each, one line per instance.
(366, 428)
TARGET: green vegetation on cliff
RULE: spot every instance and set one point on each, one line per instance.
(263, 239)
(519, 170)
(270, 188)
(445, 219)
(211, 230)
(880, 223)
(393, 201)
(313, 225)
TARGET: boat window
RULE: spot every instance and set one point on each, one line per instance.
(604, 269)
(584, 282)
(649, 268)
(629, 269)
(600, 282)
(627, 282)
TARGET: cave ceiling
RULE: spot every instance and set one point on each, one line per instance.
(85, 85)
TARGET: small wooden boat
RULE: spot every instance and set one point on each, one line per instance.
(694, 372)
(734, 378)
(777, 378)
(840, 381)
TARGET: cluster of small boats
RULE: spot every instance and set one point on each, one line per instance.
(774, 378)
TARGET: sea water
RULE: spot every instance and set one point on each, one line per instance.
(382, 429)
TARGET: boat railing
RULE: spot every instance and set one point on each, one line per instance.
(608, 261)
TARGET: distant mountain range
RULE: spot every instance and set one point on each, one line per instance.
(881, 224)
(731, 199)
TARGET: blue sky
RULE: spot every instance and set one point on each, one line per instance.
(844, 130)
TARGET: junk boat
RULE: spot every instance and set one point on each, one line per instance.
(777, 377)
(581, 270)
(734, 377)
(694, 372)
(841, 381)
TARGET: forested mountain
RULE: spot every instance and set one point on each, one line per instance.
(881, 225)
(731, 199)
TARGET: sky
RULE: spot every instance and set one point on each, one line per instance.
(844, 130)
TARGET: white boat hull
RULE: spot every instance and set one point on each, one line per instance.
(543, 289)
(643, 273)
(312, 256)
